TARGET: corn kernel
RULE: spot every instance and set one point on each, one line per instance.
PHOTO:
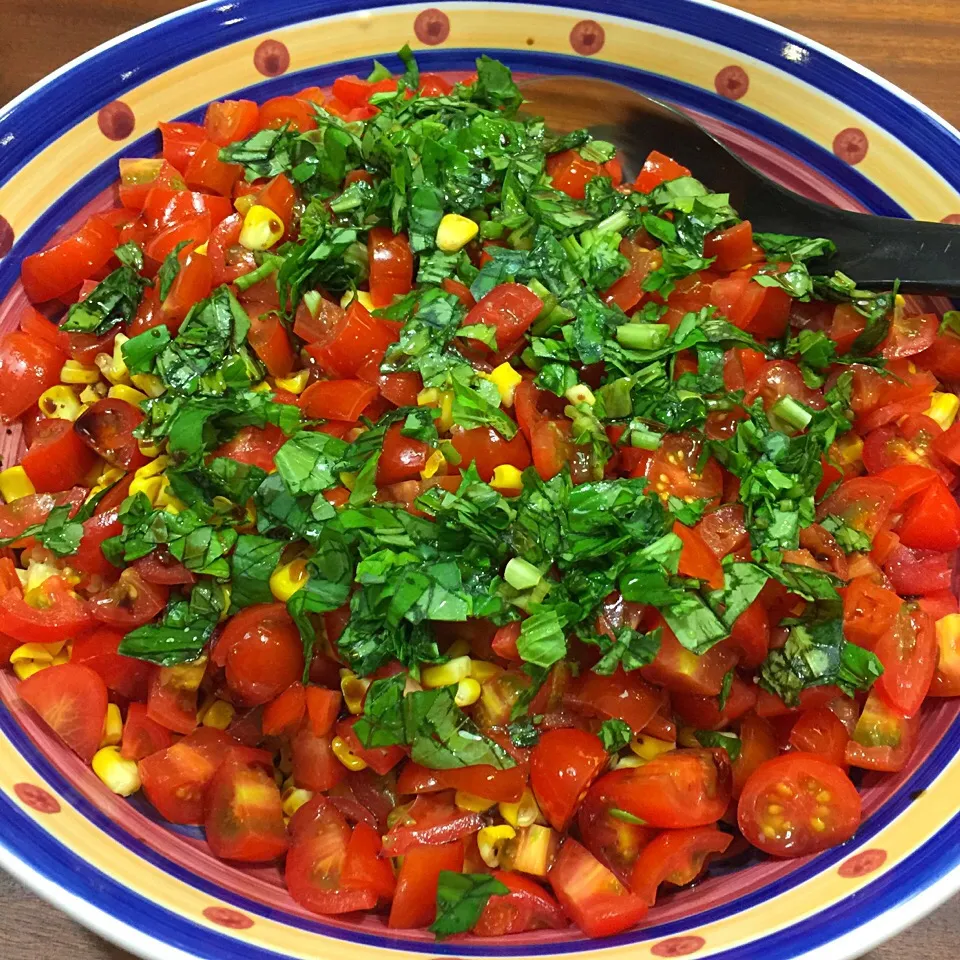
(244, 203)
(150, 448)
(152, 469)
(149, 486)
(37, 574)
(361, 296)
(580, 393)
(261, 229)
(471, 802)
(295, 383)
(184, 676)
(354, 689)
(849, 448)
(202, 249)
(646, 748)
(226, 592)
(288, 578)
(121, 391)
(294, 798)
(93, 392)
(112, 727)
(468, 692)
(446, 674)
(943, 408)
(41, 652)
(151, 385)
(346, 756)
(114, 367)
(455, 232)
(490, 841)
(434, 462)
(219, 715)
(627, 763)
(459, 648)
(60, 403)
(75, 372)
(482, 670)
(506, 380)
(27, 668)
(506, 477)
(446, 410)
(687, 737)
(120, 775)
(428, 397)
(63, 656)
(14, 484)
(524, 813)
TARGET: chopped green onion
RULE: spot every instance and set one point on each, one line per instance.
(791, 412)
(520, 574)
(643, 336)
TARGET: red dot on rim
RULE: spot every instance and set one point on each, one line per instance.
(37, 798)
(116, 120)
(862, 863)
(678, 946)
(432, 26)
(951, 218)
(228, 918)
(851, 145)
(271, 58)
(587, 37)
(732, 82)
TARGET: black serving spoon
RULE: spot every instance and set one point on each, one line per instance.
(875, 251)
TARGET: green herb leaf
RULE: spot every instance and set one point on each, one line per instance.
(615, 735)
(461, 898)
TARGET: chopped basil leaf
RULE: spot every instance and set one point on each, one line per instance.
(461, 898)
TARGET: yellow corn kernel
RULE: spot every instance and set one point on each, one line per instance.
(445, 674)
(63, 656)
(428, 397)
(288, 578)
(244, 203)
(113, 366)
(468, 692)
(37, 574)
(361, 296)
(153, 469)
(121, 391)
(354, 689)
(455, 232)
(184, 676)
(150, 448)
(112, 727)
(446, 410)
(524, 813)
(686, 737)
(41, 652)
(93, 392)
(226, 591)
(261, 387)
(948, 639)
(348, 479)
(295, 383)
(849, 448)
(166, 499)
(346, 756)
(75, 372)
(471, 802)
(120, 775)
(943, 408)
(14, 484)
(506, 380)
(459, 648)
(294, 798)
(646, 748)
(434, 462)
(506, 477)
(261, 229)
(219, 715)
(151, 385)
(490, 841)
(482, 670)
(628, 763)
(202, 249)
(60, 403)
(27, 668)
(149, 486)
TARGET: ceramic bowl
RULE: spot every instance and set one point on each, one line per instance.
(806, 115)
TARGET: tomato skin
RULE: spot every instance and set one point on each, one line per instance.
(227, 121)
(160, 567)
(125, 676)
(63, 614)
(732, 247)
(415, 900)
(622, 696)
(24, 512)
(206, 171)
(909, 336)
(591, 895)
(353, 339)
(192, 284)
(697, 560)
(391, 266)
(868, 611)
(704, 713)
(908, 652)
(658, 168)
(750, 636)
(402, 458)
(685, 788)
(511, 308)
(364, 868)
(919, 572)
(488, 450)
(932, 520)
(807, 777)
(28, 366)
(244, 814)
(284, 715)
(863, 502)
(337, 399)
(141, 735)
(262, 652)
(821, 731)
(107, 428)
(627, 292)
(614, 842)
(526, 907)
(57, 457)
(64, 266)
(681, 671)
(562, 767)
(315, 767)
(758, 743)
(180, 142)
(171, 704)
(72, 701)
(286, 111)
(570, 173)
(130, 602)
(676, 857)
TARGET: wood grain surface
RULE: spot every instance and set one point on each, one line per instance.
(914, 43)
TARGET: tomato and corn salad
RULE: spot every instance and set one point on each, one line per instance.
(484, 540)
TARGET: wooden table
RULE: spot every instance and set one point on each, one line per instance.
(914, 43)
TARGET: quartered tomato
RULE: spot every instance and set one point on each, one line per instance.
(908, 652)
(57, 457)
(130, 602)
(28, 366)
(525, 908)
(621, 695)
(391, 266)
(862, 503)
(486, 448)
(49, 613)
(72, 700)
(431, 819)
(563, 766)
(675, 470)
(97, 649)
(415, 900)
(107, 428)
(681, 671)
(676, 857)
(822, 732)
(511, 308)
(798, 804)
(64, 266)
